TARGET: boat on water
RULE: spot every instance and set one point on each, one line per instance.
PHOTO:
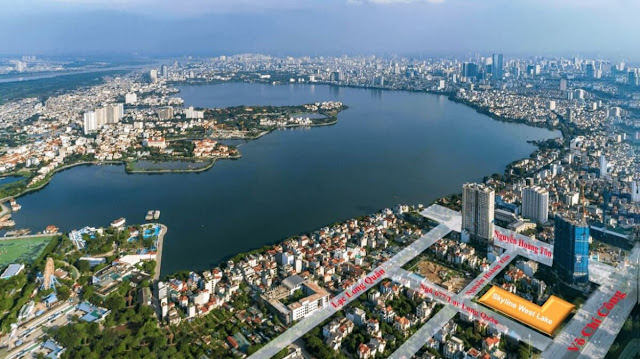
(156, 214)
(149, 215)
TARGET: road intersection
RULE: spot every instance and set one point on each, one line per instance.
(386, 269)
(611, 280)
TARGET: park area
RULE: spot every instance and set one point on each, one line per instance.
(21, 250)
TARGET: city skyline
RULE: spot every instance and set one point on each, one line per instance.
(332, 179)
(288, 27)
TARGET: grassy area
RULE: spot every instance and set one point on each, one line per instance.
(13, 188)
(24, 250)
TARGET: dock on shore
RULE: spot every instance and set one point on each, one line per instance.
(163, 231)
(4, 209)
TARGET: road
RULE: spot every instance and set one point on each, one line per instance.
(389, 267)
(623, 279)
(163, 231)
(504, 325)
(33, 329)
(426, 332)
(487, 276)
(73, 268)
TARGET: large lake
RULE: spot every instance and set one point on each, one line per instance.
(387, 148)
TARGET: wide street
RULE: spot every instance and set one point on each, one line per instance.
(455, 301)
(611, 280)
(31, 332)
(625, 280)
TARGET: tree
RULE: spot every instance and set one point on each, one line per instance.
(281, 354)
(64, 293)
(523, 352)
(83, 266)
(115, 302)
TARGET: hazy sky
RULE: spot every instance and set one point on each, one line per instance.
(609, 28)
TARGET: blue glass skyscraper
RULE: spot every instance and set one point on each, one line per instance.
(571, 249)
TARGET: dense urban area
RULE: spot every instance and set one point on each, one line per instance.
(557, 232)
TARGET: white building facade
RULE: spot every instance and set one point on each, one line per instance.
(535, 204)
(478, 202)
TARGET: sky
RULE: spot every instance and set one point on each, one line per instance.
(598, 28)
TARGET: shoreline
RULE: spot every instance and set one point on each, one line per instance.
(28, 236)
(205, 168)
(52, 173)
(211, 161)
(126, 163)
(448, 94)
(266, 132)
(100, 163)
(5, 209)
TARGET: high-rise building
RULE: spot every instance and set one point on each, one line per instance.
(535, 204)
(614, 112)
(153, 76)
(590, 70)
(337, 76)
(165, 113)
(497, 66)
(571, 249)
(551, 105)
(516, 71)
(115, 112)
(101, 116)
(378, 80)
(478, 203)
(165, 71)
(569, 116)
(563, 84)
(130, 98)
(21, 66)
(470, 69)
(603, 166)
(633, 77)
(191, 113)
(90, 124)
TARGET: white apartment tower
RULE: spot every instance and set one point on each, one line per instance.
(478, 203)
(563, 84)
(101, 116)
(130, 98)
(153, 76)
(535, 204)
(115, 112)
(603, 166)
(90, 123)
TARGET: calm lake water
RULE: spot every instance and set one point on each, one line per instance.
(387, 148)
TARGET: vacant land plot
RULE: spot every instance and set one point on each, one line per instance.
(445, 277)
(22, 250)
